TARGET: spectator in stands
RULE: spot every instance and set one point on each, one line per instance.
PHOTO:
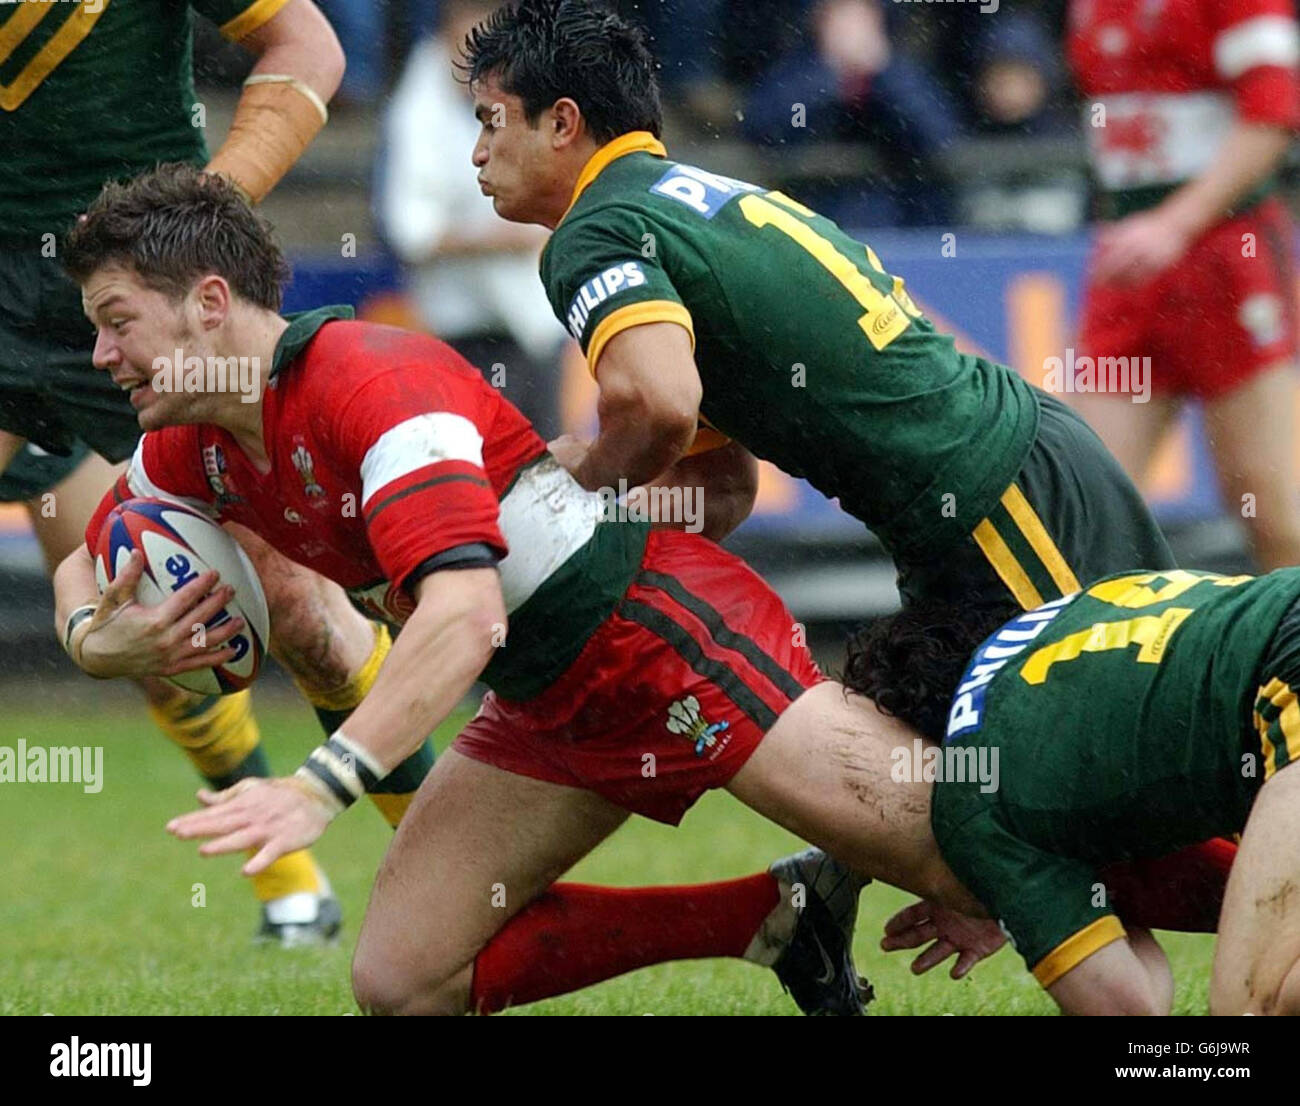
(473, 275)
(1019, 94)
(1018, 78)
(845, 80)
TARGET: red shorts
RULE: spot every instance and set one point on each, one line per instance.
(1220, 315)
(671, 694)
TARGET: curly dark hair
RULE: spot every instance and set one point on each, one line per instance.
(545, 50)
(173, 225)
(911, 663)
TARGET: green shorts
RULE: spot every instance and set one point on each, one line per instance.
(1071, 516)
(50, 393)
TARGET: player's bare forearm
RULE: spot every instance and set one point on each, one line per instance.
(1250, 153)
(630, 446)
(648, 407)
(74, 586)
(723, 482)
(459, 620)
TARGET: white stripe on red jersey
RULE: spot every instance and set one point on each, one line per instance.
(1263, 40)
(418, 443)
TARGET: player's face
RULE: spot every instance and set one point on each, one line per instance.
(138, 331)
(515, 160)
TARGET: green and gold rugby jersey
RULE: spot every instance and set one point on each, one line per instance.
(812, 356)
(1140, 717)
(94, 91)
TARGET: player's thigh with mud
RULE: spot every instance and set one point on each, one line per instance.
(851, 780)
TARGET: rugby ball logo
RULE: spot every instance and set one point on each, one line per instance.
(178, 545)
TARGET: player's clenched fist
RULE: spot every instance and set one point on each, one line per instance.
(272, 816)
(127, 638)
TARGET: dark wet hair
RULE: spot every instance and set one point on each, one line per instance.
(911, 663)
(545, 50)
(173, 225)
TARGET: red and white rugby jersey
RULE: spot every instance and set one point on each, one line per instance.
(387, 448)
(1173, 75)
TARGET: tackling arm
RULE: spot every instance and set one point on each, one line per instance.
(649, 406)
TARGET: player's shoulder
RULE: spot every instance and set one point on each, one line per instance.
(355, 367)
(348, 353)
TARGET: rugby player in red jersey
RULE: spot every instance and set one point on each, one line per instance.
(642, 666)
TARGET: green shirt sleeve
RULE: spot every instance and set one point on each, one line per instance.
(602, 274)
(238, 18)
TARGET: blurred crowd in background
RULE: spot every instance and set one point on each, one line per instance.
(900, 101)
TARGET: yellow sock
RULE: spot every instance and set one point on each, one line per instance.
(291, 873)
(333, 707)
(218, 733)
(344, 699)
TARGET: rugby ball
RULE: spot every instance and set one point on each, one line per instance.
(179, 544)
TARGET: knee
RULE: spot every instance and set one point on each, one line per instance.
(384, 987)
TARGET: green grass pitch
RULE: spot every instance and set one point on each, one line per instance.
(98, 917)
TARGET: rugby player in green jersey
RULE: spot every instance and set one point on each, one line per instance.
(1152, 711)
(103, 89)
(723, 321)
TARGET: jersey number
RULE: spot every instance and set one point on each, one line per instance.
(67, 38)
(1152, 632)
(887, 314)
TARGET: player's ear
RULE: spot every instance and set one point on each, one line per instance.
(566, 123)
(212, 297)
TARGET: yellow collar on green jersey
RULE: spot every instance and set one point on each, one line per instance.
(634, 142)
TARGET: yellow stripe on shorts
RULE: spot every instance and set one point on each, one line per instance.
(1040, 541)
(1288, 722)
(1006, 566)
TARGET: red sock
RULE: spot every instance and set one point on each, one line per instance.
(1182, 891)
(576, 935)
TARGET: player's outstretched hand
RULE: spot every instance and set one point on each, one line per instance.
(972, 939)
(273, 816)
(126, 638)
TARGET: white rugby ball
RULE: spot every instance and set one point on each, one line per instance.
(179, 544)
